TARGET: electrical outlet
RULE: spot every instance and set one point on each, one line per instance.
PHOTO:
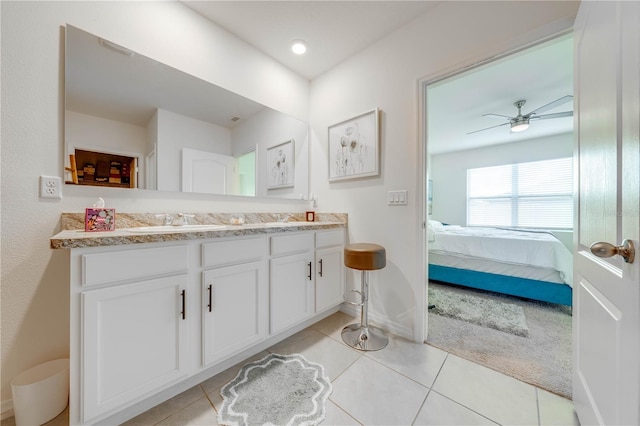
(50, 187)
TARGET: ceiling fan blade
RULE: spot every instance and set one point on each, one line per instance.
(550, 105)
(487, 128)
(554, 115)
(497, 115)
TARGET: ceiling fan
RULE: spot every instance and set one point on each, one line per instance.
(520, 122)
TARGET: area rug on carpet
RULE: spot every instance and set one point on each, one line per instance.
(276, 390)
(542, 359)
(498, 315)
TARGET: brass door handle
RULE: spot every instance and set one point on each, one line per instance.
(626, 250)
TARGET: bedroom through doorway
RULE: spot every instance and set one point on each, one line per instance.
(500, 214)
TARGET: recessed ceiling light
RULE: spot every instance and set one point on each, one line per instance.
(298, 47)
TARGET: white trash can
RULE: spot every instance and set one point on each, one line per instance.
(41, 393)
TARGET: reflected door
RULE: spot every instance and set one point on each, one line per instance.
(206, 172)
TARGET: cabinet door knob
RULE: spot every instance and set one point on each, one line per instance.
(320, 262)
(210, 289)
(309, 276)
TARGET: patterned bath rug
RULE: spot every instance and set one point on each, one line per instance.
(494, 314)
(276, 390)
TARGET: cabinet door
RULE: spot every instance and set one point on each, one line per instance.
(235, 304)
(329, 278)
(291, 287)
(134, 342)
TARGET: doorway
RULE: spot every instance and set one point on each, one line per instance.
(471, 126)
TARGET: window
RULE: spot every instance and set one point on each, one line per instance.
(538, 194)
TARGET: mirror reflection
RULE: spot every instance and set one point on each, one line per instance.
(132, 122)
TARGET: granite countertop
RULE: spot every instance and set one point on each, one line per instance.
(74, 236)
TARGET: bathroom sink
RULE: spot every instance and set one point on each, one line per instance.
(177, 228)
(275, 224)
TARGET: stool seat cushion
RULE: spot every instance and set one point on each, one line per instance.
(365, 256)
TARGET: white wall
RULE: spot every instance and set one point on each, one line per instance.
(449, 171)
(34, 288)
(264, 130)
(386, 75)
(83, 130)
(176, 131)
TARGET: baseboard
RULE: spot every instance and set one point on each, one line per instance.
(6, 409)
(380, 321)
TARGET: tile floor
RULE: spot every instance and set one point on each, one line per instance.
(404, 384)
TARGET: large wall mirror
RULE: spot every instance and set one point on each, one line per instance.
(132, 122)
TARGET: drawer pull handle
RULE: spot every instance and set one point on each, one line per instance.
(309, 276)
(184, 304)
(320, 273)
(210, 289)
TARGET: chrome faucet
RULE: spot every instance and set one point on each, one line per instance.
(179, 220)
(284, 217)
(183, 219)
(167, 218)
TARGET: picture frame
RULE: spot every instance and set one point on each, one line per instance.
(354, 147)
(281, 165)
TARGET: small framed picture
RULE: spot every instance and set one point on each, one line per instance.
(280, 165)
(354, 147)
(311, 216)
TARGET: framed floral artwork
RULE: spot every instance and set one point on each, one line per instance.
(280, 165)
(354, 147)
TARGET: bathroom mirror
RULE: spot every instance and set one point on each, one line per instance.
(132, 122)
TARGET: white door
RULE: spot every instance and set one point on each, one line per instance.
(606, 315)
(207, 172)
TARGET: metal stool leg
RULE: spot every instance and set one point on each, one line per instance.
(362, 336)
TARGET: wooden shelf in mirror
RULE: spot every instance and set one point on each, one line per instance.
(103, 169)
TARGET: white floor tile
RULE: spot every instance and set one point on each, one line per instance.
(496, 396)
(318, 348)
(376, 395)
(197, 414)
(167, 408)
(556, 410)
(438, 410)
(336, 416)
(332, 325)
(417, 361)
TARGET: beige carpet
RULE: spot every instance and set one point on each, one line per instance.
(542, 359)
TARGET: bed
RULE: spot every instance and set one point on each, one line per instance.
(530, 264)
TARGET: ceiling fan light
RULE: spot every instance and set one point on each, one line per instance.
(520, 125)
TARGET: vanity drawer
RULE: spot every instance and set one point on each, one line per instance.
(329, 238)
(232, 251)
(284, 244)
(124, 265)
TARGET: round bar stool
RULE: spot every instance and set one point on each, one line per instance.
(365, 257)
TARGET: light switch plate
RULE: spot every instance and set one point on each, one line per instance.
(397, 198)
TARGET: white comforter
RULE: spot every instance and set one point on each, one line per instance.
(518, 247)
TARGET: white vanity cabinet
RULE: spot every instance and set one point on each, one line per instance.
(134, 320)
(329, 285)
(291, 280)
(148, 320)
(234, 296)
(306, 276)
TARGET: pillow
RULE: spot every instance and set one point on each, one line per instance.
(434, 224)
